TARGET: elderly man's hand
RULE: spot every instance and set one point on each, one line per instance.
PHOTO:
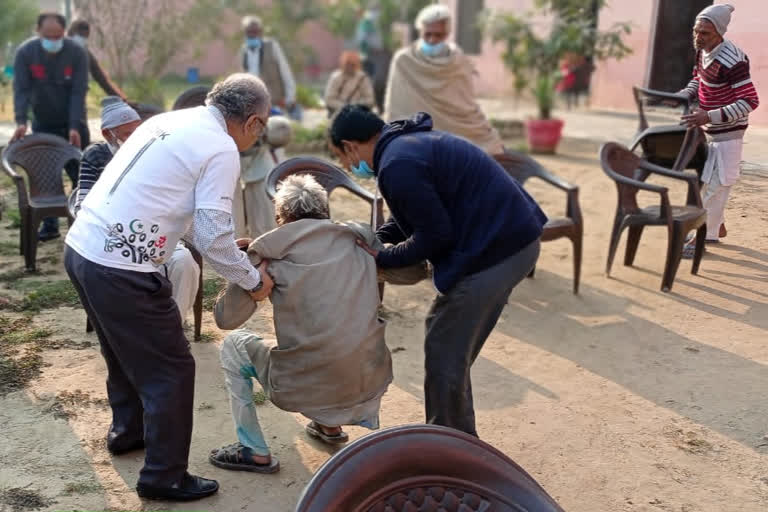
(696, 118)
(19, 132)
(364, 246)
(266, 289)
(74, 138)
(243, 243)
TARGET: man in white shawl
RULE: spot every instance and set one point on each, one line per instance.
(435, 76)
(330, 361)
(723, 87)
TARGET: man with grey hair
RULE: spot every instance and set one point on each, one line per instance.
(118, 121)
(263, 57)
(173, 178)
(329, 361)
(434, 75)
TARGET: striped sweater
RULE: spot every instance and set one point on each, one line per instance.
(722, 84)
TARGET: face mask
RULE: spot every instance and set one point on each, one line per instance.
(431, 50)
(253, 42)
(114, 146)
(362, 170)
(80, 40)
(52, 46)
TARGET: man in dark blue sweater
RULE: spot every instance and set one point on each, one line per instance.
(457, 208)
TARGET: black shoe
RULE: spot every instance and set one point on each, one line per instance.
(118, 448)
(45, 236)
(191, 488)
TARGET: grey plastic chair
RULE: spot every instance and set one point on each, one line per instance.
(42, 157)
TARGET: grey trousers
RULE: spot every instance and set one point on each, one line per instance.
(150, 370)
(457, 325)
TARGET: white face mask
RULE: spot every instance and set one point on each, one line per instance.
(80, 40)
(114, 146)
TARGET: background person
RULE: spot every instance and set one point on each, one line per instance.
(50, 77)
(348, 85)
(79, 31)
(434, 75)
(723, 87)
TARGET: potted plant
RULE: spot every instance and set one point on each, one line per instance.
(535, 56)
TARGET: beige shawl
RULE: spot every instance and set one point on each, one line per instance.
(442, 87)
(331, 351)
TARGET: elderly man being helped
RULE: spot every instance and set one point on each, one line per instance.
(330, 361)
(435, 76)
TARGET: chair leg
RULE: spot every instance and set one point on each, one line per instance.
(30, 251)
(614, 244)
(674, 255)
(381, 292)
(576, 240)
(701, 235)
(23, 232)
(633, 240)
(197, 307)
(88, 325)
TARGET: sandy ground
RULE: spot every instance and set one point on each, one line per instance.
(622, 398)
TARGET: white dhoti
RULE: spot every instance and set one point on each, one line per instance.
(721, 170)
(184, 274)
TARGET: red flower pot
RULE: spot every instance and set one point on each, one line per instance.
(543, 134)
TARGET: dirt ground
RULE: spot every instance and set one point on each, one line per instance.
(622, 398)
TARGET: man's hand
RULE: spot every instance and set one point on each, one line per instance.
(266, 289)
(364, 246)
(243, 243)
(74, 138)
(696, 118)
(19, 132)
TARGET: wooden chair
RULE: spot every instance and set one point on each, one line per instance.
(43, 158)
(663, 144)
(629, 171)
(424, 468)
(571, 226)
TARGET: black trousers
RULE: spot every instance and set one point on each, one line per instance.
(150, 370)
(457, 325)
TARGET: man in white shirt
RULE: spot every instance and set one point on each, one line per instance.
(263, 57)
(173, 178)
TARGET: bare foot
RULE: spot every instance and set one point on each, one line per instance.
(263, 460)
(329, 431)
(723, 232)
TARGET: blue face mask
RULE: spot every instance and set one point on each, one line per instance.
(52, 45)
(362, 170)
(431, 50)
(253, 42)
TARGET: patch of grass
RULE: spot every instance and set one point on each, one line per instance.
(20, 499)
(45, 295)
(16, 370)
(211, 289)
(67, 403)
(15, 219)
(8, 248)
(304, 135)
(260, 398)
(82, 488)
(11, 276)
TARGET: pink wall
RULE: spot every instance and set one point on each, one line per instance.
(613, 80)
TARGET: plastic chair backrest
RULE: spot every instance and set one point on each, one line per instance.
(192, 97)
(619, 162)
(649, 97)
(327, 174)
(692, 143)
(521, 166)
(42, 157)
(423, 467)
